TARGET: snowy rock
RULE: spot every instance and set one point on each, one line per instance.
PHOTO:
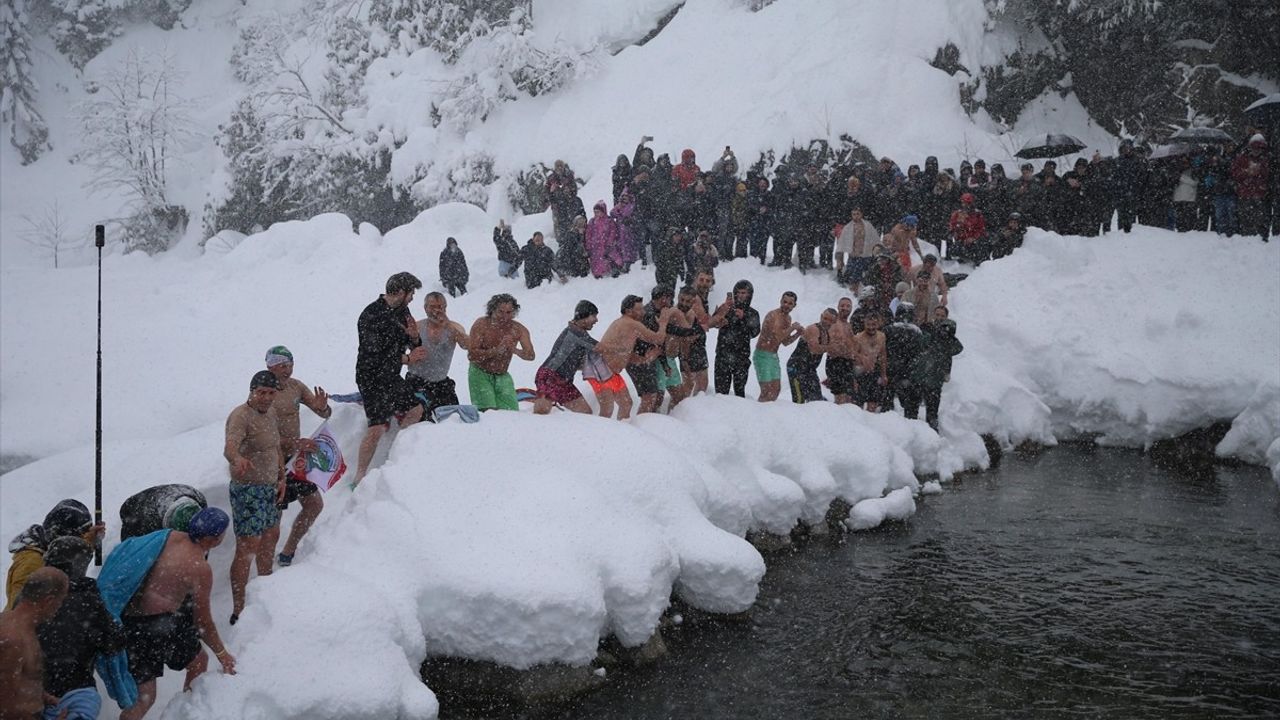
(870, 513)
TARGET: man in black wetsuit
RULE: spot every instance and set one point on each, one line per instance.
(802, 367)
(739, 324)
(386, 329)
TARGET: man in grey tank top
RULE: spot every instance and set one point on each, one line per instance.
(428, 371)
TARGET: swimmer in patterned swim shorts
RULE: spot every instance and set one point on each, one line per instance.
(257, 483)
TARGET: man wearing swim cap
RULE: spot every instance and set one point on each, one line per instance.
(293, 394)
(257, 482)
(159, 631)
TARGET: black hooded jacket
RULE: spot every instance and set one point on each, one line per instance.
(73, 638)
(737, 332)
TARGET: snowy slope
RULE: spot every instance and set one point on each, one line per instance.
(793, 72)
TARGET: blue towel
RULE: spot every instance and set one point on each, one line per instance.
(122, 574)
(468, 413)
(354, 397)
(81, 704)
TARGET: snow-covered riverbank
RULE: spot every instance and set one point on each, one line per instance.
(525, 539)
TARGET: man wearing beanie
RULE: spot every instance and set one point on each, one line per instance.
(253, 453)
(69, 518)
(554, 380)
(158, 585)
(293, 394)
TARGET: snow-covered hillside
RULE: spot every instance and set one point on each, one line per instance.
(790, 73)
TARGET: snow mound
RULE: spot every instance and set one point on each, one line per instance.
(870, 513)
(1132, 337)
(1256, 430)
(524, 540)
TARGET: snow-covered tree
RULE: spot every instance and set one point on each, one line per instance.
(505, 64)
(27, 129)
(50, 231)
(134, 127)
(85, 28)
(446, 26)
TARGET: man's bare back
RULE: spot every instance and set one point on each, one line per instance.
(677, 346)
(21, 670)
(172, 577)
(619, 341)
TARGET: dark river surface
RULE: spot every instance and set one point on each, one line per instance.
(1081, 582)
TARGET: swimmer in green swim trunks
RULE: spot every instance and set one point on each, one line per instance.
(776, 330)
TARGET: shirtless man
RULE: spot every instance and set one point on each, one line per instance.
(252, 451)
(22, 693)
(870, 356)
(666, 370)
(776, 330)
(160, 629)
(618, 347)
(937, 283)
(494, 339)
(853, 250)
(292, 396)
(902, 239)
(700, 316)
(802, 366)
(683, 330)
(840, 353)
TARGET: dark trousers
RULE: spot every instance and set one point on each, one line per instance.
(805, 245)
(1126, 212)
(1252, 216)
(804, 383)
(437, 394)
(731, 372)
(912, 395)
(758, 242)
(783, 243)
(826, 248)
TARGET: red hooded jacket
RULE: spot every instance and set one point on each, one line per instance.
(686, 173)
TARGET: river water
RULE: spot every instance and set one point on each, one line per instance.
(1081, 582)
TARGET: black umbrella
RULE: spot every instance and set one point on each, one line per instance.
(1202, 136)
(1264, 112)
(1050, 146)
(1165, 151)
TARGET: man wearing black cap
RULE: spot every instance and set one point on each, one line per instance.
(554, 380)
(386, 329)
(253, 451)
